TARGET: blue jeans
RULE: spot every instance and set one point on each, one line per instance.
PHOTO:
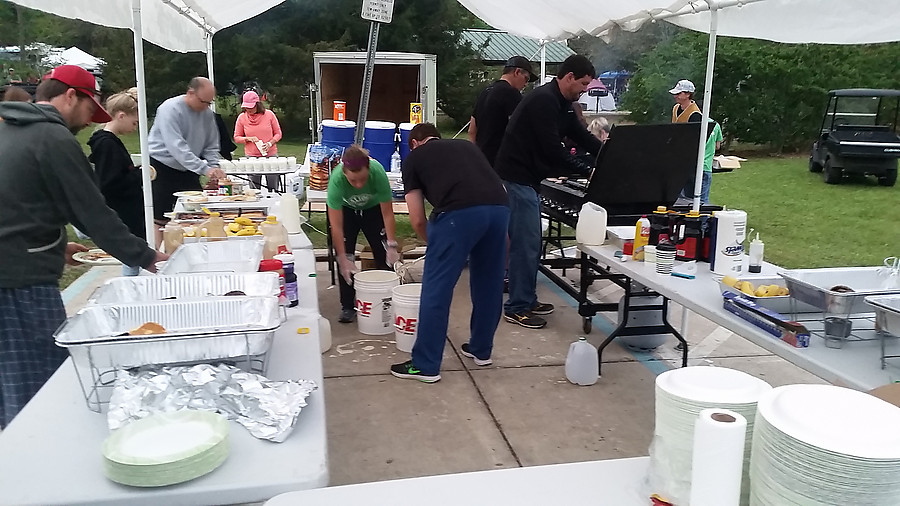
(476, 234)
(524, 247)
(706, 181)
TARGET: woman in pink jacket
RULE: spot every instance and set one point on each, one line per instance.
(258, 130)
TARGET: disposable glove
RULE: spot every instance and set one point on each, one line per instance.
(347, 268)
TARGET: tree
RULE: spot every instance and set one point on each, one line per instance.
(763, 92)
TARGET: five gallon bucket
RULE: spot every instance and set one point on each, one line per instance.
(373, 301)
(406, 314)
(338, 134)
(405, 128)
(379, 140)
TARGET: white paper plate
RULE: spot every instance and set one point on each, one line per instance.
(89, 258)
(835, 419)
(166, 438)
(189, 193)
(718, 385)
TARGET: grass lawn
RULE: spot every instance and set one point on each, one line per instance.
(806, 223)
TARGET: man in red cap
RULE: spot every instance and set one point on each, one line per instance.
(46, 182)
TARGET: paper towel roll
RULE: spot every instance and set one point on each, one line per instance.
(718, 458)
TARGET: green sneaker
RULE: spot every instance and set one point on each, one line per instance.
(407, 370)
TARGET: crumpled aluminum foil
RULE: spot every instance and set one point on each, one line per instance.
(268, 409)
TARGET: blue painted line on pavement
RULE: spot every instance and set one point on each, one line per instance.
(605, 325)
(79, 285)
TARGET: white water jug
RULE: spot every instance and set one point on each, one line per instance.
(582, 363)
(591, 227)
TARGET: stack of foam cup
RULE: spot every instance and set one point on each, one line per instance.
(665, 258)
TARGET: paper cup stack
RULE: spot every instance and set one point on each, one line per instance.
(681, 394)
(166, 448)
(825, 445)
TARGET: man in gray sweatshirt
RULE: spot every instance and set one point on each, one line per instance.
(184, 145)
(46, 182)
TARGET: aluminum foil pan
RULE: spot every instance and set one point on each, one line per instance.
(268, 409)
(188, 319)
(887, 312)
(127, 290)
(780, 303)
(216, 256)
(815, 287)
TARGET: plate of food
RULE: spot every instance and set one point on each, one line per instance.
(188, 193)
(95, 257)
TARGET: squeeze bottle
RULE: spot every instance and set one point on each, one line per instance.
(275, 237)
(641, 237)
(214, 227)
(756, 254)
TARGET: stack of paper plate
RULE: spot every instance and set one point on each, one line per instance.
(821, 444)
(166, 448)
(680, 396)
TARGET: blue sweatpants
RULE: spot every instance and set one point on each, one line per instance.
(28, 355)
(476, 234)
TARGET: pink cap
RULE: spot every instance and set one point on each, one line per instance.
(250, 99)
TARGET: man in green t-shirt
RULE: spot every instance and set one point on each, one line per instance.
(359, 198)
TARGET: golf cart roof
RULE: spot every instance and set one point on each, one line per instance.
(864, 92)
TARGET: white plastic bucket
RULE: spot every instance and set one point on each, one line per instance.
(373, 301)
(406, 314)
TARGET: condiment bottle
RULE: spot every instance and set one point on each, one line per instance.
(291, 290)
(272, 265)
(641, 237)
(173, 237)
(756, 254)
(275, 237)
(214, 227)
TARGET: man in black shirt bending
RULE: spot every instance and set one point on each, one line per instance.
(469, 223)
(531, 151)
(496, 104)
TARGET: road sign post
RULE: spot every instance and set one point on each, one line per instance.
(378, 12)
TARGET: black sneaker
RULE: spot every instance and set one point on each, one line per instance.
(526, 319)
(464, 349)
(542, 308)
(407, 370)
(347, 316)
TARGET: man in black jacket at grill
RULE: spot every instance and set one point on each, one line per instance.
(532, 150)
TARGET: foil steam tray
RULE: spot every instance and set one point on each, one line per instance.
(128, 290)
(188, 319)
(216, 256)
(780, 304)
(887, 312)
(814, 287)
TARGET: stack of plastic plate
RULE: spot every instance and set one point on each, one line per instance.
(680, 396)
(822, 444)
(166, 448)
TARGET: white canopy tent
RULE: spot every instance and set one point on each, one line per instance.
(177, 25)
(789, 21)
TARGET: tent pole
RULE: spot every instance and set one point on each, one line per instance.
(707, 95)
(142, 123)
(209, 64)
(543, 61)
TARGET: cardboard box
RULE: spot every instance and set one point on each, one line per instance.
(771, 322)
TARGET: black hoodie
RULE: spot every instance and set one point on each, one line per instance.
(46, 182)
(120, 182)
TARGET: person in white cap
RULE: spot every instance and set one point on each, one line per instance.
(685, 109)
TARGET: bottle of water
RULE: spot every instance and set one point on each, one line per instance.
(395, 161)
(582, 363)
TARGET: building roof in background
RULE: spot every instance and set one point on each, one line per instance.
(502, 45)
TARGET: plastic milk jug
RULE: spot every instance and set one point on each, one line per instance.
(591, 227)
(289, 212)
(582, 363)
(727, 248)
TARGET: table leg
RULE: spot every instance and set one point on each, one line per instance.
(329, 247)
(684, 349)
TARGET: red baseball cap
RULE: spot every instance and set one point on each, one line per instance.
(83, 81)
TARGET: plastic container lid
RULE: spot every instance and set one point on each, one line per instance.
(285, 258)
(269, 265)
(270, 219)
